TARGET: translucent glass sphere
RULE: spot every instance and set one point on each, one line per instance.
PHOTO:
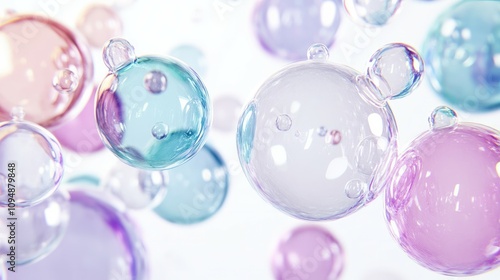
(372, 12)
(151, 112)
(196, 190)
(443, 201)
(318, 139)
(100, 242)
(461, 52)
(32, 163)
(38, 230)
(46, 70)
(308, 252)
(287, 28)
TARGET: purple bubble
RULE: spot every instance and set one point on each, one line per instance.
(287, 28)
(100, 244)
(308, 252)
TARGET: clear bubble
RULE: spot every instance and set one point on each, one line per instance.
(283, 122)
(117, 54)
(355, 189)
(395, 70)
(155, 82)
(196, 189)
(372, 12)
(333, 126)
(192, 56)
(38, 66)
(127, 111)
(443, 117)
(35, 160)
(308, 252)
(137, 189)
(226, 112)
(38, 229)
(160, 130)
(318, 52)
(100, 242)
(445, 195)
(99, 23)
(288, 28)
(461, 53)
(65, 81)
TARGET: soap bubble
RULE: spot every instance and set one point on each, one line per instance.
(32, 161)
(318, 139)
(46, 70)
(37, 230)
(443, 201)
(372, 12)
(461, 52)
(152, 113)
(195, 190)
(308, 252)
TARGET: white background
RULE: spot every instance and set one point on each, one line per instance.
(237, 243)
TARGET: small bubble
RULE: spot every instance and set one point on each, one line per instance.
(333, 137)
(160, 130)
(443, 117)
(318, 52)
(355, 188)
(283, 122)
(322, 131)
(65, 81)
(155, 82)
(117, 54)
(17, 113)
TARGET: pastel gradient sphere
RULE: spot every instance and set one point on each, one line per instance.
(443, 204)
(308, 252)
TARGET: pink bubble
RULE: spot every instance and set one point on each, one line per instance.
(308, 252)
(100, 23)
(44, 69)
(443, 204)
(80, 134)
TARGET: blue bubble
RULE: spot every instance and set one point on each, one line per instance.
(462, 53)
(195, 190)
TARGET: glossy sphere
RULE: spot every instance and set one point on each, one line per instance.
(100, 243)
(461, 52)
(287, 28)
(47, 68)
(443, 203)
(372, 12)
(37, 158)
(318, 139)
(136, 188)
(80, 134)
(195, 190)
(308, 252)
(100, 23)
(153, 113)
(39, 229)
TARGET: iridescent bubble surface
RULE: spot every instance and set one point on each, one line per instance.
(461, 52)
(137, 189)
(308, 252)
(443, 201)
(100, 23)
(372, 12)
(100, 243)
(37, 159)
(152, 112)
(38, 229)
(195, 190)
(80, 134)
(318, 139)
(287, 28)
(47, 68)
